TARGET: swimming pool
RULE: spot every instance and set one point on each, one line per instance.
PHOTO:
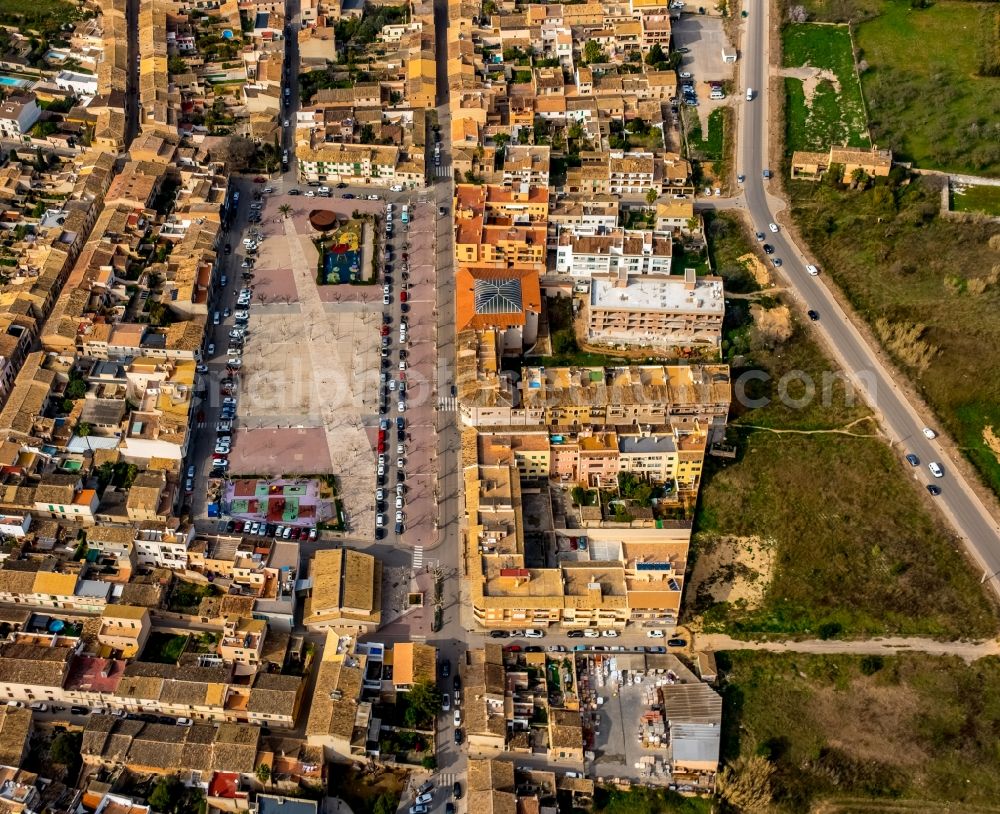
(12, 82)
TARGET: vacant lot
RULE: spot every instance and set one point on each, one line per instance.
(856, 551)
(44, 16)
(914, 728)
(925, 99)
(976, 199)
(824, 100)
(896, 260)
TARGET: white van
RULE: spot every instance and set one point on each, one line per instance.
(749, 94)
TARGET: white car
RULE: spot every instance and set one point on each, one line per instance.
(813, 271)
(396, 188)
(446, 703)
(929, 433)
(936, 469)
(749, 94)
(309, 193)
(184, 722)
(286, 123)
(590, 633)
(773, 227)
(399, 502)
(456, 719)
(654, 634)
(380, 521)
(400, 517)
(323, 189)
(234, 362)
(222, 449)
(401, 406)
(685, 74)
(610, 634)
(532, 633)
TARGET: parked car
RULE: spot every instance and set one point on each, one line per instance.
(654, 634)
(912, 460)
(936, 469)
(676, 642)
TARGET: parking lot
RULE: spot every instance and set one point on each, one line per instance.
(295, 366)
(408, 355)
(705, 38)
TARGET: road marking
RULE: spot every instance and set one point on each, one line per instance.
(447, 404)
(418, 556)
(443, 171)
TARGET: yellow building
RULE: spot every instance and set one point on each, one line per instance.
(346, 592)
(124, 629)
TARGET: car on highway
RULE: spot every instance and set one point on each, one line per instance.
(741, 178)
(813, 315)
(760, 237)
(936, 469)
(767, 174)
(934, 489)
(929, 433)
(676, 643)
(749, 94)
(912, 460)
(812, 270)
(768, 248)
(773, 227)
(776, 262)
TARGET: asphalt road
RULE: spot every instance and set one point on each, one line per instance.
(900, 419)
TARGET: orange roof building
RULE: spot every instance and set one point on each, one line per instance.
(507, 299)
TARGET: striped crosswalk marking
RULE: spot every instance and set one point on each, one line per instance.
(443, 171)
(447, 404)
(418, 556)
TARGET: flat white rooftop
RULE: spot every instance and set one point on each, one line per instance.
(658, 293)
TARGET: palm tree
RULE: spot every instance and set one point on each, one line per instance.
(284, 209)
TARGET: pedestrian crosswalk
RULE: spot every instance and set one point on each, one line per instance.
(447, 404)
(445, 780)
(418, 556)
(442, 171)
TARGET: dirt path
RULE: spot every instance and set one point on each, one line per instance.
(889, 646)
(845, 430)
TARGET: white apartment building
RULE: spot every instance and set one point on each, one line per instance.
(614, 252)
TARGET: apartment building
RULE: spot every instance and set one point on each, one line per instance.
(18, 115)
(656, 310)
(124, 630)
(579, 398)
(616, 252)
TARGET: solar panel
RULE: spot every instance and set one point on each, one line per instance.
(498, 296)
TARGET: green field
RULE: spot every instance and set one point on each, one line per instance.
(835, 113)
(925, 100)
(896, 259)
(44, 16)
(976, 199)
(857, 551)
(915, 729)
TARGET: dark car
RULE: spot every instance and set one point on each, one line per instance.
(230, 525)
(400, 421)
(458, 736)
(379, 534)
(575, 634)
(341, 185)
(912, 460)
(934, 489)
(533, 648)
(813, 315)
(499, 634)
(676, 643)
(294, 192)
(348, 196)
(449, 808)
(399, 528)
(767, 173)
(776, 262)
(386, 318)
(456, 790)
(768, 248)
(404, 307)
(164, 719)
(79, 710)
(456, 682)
(229, 249)
(445, 668)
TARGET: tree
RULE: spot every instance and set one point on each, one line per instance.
(651, 196)
(76, 389)
(83, 429)
(65, 748)
(176, 64)
(385, 804)
(592, 52)
(425, 701)
(284, 209)
(655, 57)
(264, 773)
